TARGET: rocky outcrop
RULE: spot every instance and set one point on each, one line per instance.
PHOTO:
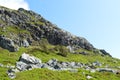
(27, 62)
(37, 27)
(104, 52)
(8, 44)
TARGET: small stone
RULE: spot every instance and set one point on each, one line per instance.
(89, 77)
(12, 75)
(92, 70)
(1, 65)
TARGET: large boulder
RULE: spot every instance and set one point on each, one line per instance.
(29, 59)
(8, 43)
(106, 70)
(27, 62)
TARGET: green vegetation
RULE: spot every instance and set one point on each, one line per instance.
(45, 51)
(9, 31)
(45, 74)
(10, 58)
(62, 50)
(3, 74)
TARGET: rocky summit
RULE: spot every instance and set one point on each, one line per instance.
(33, 48)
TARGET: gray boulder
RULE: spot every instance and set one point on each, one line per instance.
(52, 62)
(21, 66)
(29, 59)
(96, 63)
(11, 74)
(83, 53)
(24, 43)
(104, 52)
(7, 43)
(27, 62)
(106, 70)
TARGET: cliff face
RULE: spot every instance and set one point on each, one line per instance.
(23, 28)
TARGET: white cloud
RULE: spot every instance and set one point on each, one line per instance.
(14, 4)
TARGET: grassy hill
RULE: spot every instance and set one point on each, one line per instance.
(23, 31)
(10, 58)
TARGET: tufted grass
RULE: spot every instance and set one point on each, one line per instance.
(45, 74)
(10, 58)
(7, 57)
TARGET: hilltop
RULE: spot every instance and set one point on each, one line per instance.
(25, 33)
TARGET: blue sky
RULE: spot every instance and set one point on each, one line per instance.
(96, 20)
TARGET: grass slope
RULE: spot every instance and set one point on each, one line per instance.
(10, 58)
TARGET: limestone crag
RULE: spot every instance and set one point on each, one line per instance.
(32, 27)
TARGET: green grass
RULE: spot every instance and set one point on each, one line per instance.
(10, 58)
(10, 30)
(45, 74)
(3, 74)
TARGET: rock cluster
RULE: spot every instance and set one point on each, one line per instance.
(27, 62)
(12, 45)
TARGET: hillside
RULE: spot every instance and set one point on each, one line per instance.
(33, 48)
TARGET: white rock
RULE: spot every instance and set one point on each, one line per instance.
(89, 77)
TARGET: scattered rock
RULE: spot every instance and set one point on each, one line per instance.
(22, 66)
(96, 63)
(52, 62)
(89, 77)
(1, 65)
(106, 70)
(27, 62)
(70, 49)
(25, 43)
(11, 74)
(104, 52)
(83, 53)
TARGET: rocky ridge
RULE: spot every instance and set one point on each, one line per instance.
(35, 27)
